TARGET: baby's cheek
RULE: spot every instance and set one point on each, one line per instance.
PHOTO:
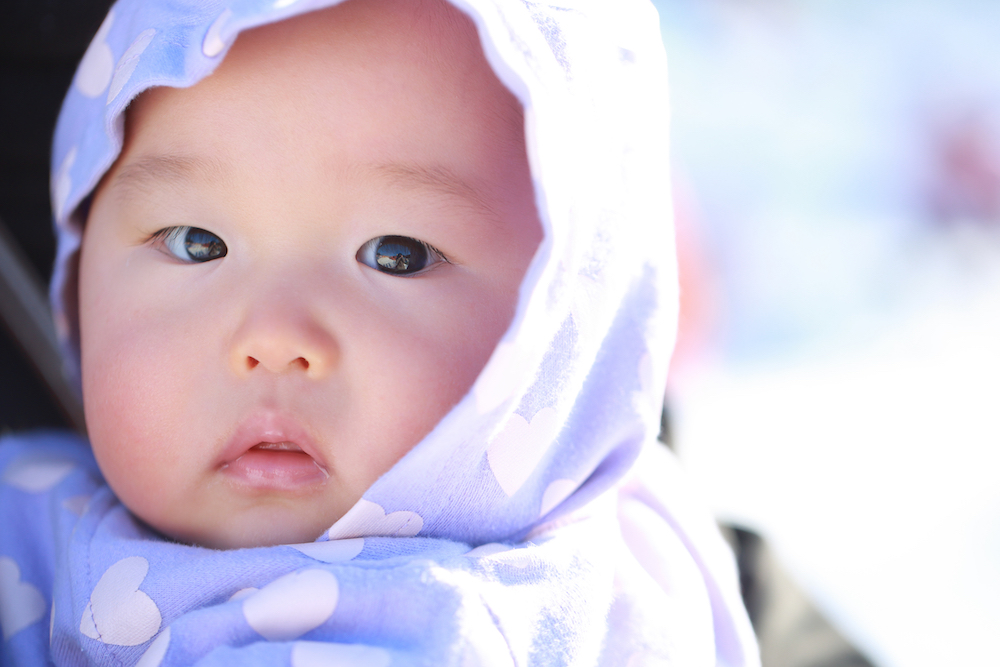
(136, 399)
(435, 345)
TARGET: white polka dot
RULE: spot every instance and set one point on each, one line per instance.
(516, 451)
(37, 473)
(118, 612)
(94, 72)
(292, 605)
(21, 604)
(213, 44)
(324, 654)
(128, 62)
(333, 551)
(62, 183)
(154, 654)
(367, 518)
(555, 493)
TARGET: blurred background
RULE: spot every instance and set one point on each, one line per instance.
(835, 388)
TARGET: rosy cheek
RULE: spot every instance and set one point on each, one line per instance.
(436, 351)
(134, 396)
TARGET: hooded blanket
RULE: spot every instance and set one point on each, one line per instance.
(539, 523)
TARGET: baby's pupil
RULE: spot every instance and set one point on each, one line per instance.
(398, 254)
(203, 246)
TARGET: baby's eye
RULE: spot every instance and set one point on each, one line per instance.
(191, 244)
(399, 255)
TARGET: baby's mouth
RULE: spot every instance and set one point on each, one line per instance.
(278, 447)
(278, 466)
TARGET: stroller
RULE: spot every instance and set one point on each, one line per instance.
(41, 45)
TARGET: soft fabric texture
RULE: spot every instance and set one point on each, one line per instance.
(538, 524)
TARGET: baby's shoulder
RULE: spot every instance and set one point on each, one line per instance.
(40, 473)
(43, 474)
(28, 457)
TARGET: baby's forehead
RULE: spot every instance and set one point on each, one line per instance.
(390, 85)
(364, 36)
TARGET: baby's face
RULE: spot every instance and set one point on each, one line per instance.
(297, 267)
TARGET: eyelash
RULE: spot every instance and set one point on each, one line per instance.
(391, 254)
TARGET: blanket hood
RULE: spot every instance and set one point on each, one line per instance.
(575, 386)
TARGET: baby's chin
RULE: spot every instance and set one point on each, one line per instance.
(263, 526)
(248, 537)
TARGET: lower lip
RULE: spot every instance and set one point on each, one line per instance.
(275, 469)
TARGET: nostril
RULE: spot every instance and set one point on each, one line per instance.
(298, 363)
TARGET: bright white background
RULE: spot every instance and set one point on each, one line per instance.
(838, 385)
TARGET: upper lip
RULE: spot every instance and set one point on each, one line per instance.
(270, 430)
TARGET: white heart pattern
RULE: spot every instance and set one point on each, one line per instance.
(367, 518)
(243, 593)
(38, 473)
(292, 605)
(323, 654)
(118, 612)
(21, 604)
(334, 551)
(499, 380)
(517, 449)
(555, 493)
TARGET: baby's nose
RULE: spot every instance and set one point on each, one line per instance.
(281, 343)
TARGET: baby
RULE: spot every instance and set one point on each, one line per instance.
(297, 266)
(371, 304)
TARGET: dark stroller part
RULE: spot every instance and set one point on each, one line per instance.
(41, 42)
(25, 313)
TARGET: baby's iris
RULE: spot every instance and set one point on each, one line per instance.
(398, 255)
(192, 244)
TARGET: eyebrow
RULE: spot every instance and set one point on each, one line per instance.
(437, 179)
(179, 169)
(172, 169)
